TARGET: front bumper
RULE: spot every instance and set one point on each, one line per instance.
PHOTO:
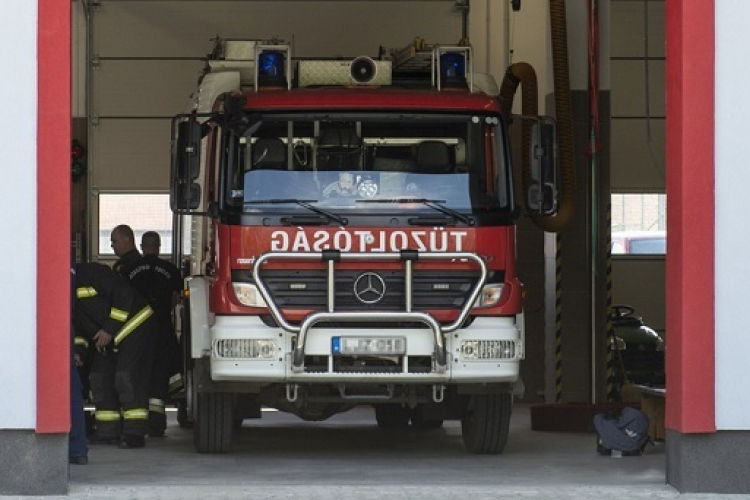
(420, 342)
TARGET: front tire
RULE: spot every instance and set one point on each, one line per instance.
(212, 429)
(486, 422)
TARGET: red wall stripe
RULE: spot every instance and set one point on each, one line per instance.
(53, 216)
(690, 210)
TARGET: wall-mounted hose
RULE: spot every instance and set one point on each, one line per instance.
(561, 77)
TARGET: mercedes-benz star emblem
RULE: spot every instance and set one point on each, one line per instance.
(369, 288)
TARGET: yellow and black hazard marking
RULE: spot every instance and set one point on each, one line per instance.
(558, 320)
(613, 391)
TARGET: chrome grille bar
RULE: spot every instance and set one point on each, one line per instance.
(333, 256)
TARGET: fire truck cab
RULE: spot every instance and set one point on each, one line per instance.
(352, 228)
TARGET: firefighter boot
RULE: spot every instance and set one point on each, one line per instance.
(108, 427)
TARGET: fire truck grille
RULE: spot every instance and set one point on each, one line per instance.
(430, 289)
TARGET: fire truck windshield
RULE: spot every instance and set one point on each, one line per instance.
(339, 161)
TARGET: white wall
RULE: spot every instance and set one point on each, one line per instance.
(732, 238)
(18, 51)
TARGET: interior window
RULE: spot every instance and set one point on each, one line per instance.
(639, 224)
(142, 212)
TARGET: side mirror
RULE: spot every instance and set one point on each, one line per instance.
(542, 195)
(188, 149)
(186, 154)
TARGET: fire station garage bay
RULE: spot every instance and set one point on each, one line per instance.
(427, 248)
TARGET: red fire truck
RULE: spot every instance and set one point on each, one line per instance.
(352, 241)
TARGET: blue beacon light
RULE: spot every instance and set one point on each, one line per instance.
(453, 65)
(271, 63)
(453, 69)
(271, 68)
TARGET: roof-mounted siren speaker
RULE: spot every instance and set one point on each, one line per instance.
(453, 67)
(273, 66)
(363, 70)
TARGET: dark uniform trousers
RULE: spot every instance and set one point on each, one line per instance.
(166, 349)
(120, 379)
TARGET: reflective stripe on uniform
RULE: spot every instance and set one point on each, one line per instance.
(175, 382)
(85, 292)
(107, 416)
(135, 414)
(156, 405)
(133, 323)
(118, 314)
(81, 342)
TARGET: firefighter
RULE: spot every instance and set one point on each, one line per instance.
(157, 280)
(167, 286)
(114, 318)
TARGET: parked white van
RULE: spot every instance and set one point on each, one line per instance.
(639, 242)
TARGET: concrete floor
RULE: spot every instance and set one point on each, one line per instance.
(282, 457)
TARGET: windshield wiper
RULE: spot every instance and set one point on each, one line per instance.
(303, 203)
(434, 204)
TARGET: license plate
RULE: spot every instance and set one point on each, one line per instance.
(368, 345)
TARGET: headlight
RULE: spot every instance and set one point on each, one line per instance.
(246, 348)
(490, 295)
(248, 295)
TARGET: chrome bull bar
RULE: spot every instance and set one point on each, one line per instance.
(407, 257)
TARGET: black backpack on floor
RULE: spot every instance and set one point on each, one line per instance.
(626, 432)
